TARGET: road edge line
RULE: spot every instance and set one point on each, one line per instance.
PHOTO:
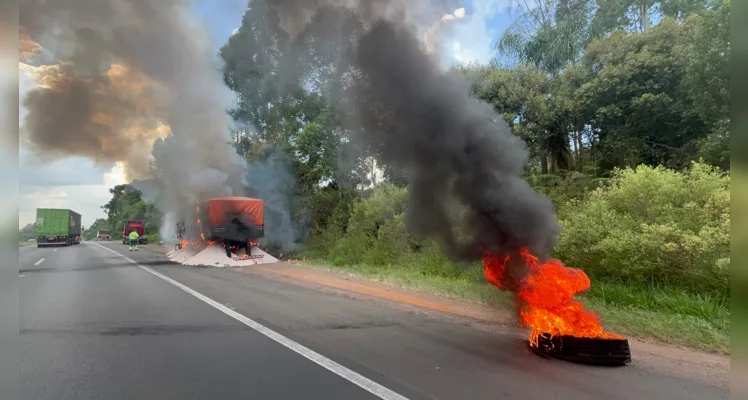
(332, 366)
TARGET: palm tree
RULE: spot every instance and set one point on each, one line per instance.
(549, 34)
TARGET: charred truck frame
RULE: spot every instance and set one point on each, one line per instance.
(234, 222)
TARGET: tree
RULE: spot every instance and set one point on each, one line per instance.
(288, 100)
(549, 35)
(127, 204)
(708, 78)
(631, 78)
(99, 224)
(27, 232)
(660, 97)
(636, 15)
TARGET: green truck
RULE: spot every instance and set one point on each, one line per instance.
(57, 227)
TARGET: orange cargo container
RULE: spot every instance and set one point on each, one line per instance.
(221, 210)
(235, 222)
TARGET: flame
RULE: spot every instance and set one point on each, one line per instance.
(202, 236)
(183, 243)
(211, 242)
(546, 297)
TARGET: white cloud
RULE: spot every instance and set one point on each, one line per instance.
(83, 199)
(474, 36)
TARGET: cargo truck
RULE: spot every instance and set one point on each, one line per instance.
(235, 222)
(137, 226)
(57, 227)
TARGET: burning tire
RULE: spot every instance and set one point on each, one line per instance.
(590, 351)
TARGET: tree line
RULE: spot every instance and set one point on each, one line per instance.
(593, 87)
(126, 204)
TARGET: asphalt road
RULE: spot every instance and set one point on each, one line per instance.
(96, 326)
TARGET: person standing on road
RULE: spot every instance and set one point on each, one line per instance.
(133, 240)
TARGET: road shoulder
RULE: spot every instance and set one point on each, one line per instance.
(681, 362)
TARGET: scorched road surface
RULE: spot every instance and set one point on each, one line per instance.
(96, 326)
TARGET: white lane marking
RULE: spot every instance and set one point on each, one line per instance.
(40, 261)
(55, 250)
(345, 373)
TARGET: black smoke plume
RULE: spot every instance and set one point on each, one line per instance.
(456, 151)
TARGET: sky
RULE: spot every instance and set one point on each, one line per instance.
(78, 184)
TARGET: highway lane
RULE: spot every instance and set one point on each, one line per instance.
(415, 355)
(94, 326)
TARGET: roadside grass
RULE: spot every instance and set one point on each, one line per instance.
(153, 238)
(24, 244)
(667, 315)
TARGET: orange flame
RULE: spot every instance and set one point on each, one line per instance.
(546, 297)
(183, 244)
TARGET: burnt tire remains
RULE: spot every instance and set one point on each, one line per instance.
(590, 351)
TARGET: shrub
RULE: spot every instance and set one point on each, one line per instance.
(653, 226)
(645, 226)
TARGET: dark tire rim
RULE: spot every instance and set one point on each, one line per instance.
(590, 351)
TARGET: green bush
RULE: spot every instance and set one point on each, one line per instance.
(653, 226)
(648, 228)
(362, 241)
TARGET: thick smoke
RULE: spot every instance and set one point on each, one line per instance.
(106, 118)
(272, 180)
(455, 149)
(130, 76)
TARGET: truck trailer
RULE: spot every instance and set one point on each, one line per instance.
(57, 227)
(234, 222)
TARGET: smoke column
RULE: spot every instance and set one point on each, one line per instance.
(133, 81)
(454, 149)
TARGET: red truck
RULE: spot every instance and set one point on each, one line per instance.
(137, 226)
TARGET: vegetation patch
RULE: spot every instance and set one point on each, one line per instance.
(654, 241)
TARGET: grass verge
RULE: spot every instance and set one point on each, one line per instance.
(668, 316)
(24, 244)
(153, 238)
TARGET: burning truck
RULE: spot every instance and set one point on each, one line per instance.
(222, 231)
(237, 223)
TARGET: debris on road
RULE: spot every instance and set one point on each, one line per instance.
(214, 255)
